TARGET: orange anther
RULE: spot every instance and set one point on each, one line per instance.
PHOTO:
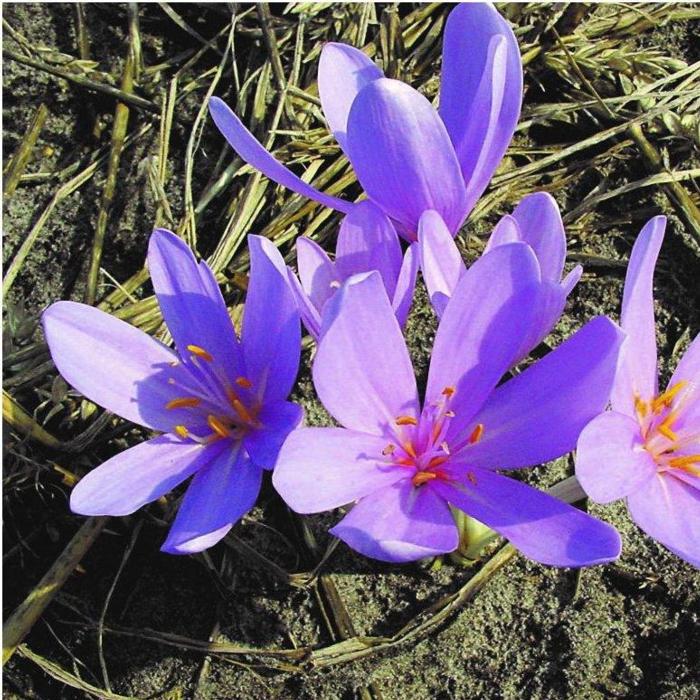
(408, 447)
(421, 477)
(243, 413)
(667, 397)
(476, 433)
(641, 407)
(182, 431)
(437, 461)
(218, 427)
(448, 391)
(389, 449)
(184, 402)
(406, 420)
(244, 382)
(684, 461)
(665, 427)
(200, 352)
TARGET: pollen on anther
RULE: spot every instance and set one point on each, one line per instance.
(476, 433)
(422, 477)
(448, 391)
(182, 431)
(244, 382)
(389, 449)
(200, 352)
(406, 420)
(667, 397)
(183, 402)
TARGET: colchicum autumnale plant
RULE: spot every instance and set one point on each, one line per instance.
(408, 156)
(403, 466)
(647, 449)
(220, 403)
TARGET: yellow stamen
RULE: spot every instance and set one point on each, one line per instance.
(218, 427)
(406, 420)
(409, 448)
(200, 352)
(182, 431)
(243, 413)
(389, 449)
(448, 391)
(437, 461)
(422, 477)
(184, 402)
(665, 427)
(244, 382)
(667, 397)
(684, 461)
(476, 434)
(641, 407)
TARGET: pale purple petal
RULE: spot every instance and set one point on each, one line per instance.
(538, 415)
(540, 526)
(362, 371)
(310, 315)
(368, 241)
(547, 310)
(441, 263)
(271, 330)
(687, 401)
(482, 328)
(342, 72)
(112, 363)
(399, 523)
(480, 91)
(218, 496)
(277, 420)
(541, 227)
(611, 461)
(140, 475)
(668, 510)
(402, 155)
(637, 374)
(254, 153)
(323, 468)
(191, 302)
(406, 284)
(505, 231)
(316, 272)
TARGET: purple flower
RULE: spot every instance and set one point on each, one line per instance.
(535, 221)
(218, 402)
(647, 449)
(367, 241)
(408, 156)
(404, 465)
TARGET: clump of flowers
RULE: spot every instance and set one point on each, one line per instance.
(647, 448)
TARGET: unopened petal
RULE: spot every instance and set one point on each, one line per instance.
(342, 72)
(441, 263)
(403, 156)
(316, 272)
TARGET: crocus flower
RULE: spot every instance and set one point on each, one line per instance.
(647, 449)
(220, 403)
(408, 156)
(367, 241)
(535, 221)
(404, 465)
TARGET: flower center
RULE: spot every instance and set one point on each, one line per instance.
(228, 408)
(657, 419)
(421, 443)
